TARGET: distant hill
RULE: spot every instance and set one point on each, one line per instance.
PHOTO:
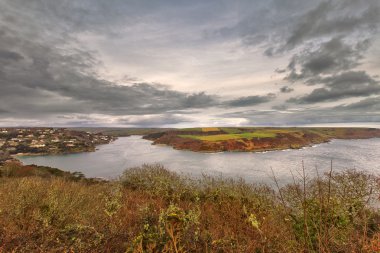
(251, 139)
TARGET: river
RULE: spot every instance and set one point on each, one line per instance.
(110, 160)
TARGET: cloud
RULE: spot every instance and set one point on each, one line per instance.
(153, 120)
(50, 74)
(286, 89)
(331, 57)
(347, 84)
(310, 116)
(250, 100)
(280, 25)
(366, 105)
(40, 78)
(330, 18)
(199, 100)
(332, 39)
(9, 56)
(4, 111)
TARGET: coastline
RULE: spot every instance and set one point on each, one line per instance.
(314, 144)
(15, 156)
(49, 154)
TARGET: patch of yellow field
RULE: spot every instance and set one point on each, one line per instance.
(225, 137)
(210, 129)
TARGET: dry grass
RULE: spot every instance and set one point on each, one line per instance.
(153, 210)
(210, 129)
(225, 137)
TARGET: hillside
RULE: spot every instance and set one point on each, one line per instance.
(151, 209)
(254, 139)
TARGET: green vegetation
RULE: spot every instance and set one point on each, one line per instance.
(195, 129)
(224, 137)
(15, 169)
(254, 139)
(151, 209)
(231, 130)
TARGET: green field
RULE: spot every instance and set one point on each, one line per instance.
(233, 133)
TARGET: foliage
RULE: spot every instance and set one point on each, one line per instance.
(150, 209)
(15, 169)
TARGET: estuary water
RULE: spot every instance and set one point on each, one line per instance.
(110, 160)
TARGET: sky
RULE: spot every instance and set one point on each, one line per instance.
(180, 63)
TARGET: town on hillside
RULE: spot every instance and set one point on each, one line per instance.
(44, 141)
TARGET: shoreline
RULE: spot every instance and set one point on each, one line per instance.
(260, 150)
(15, 156)
(50, 154)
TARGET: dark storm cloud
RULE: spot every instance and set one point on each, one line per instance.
(46, 72)
(37, 77)
(47, 80)
(283, 25)
(368, 105)
(199, 100)
(250, 100)
(335, 17)
(338, 34)
(286, 89)
(331, 57)
(347, 84)
(328, 40)
(264, 23)
(9, 56)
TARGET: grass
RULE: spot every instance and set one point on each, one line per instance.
(195, 129)
(150, 209)
(224, 137)
(210, 129)
(231, 130)
(17, 170)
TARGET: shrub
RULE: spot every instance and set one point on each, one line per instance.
(151, 209)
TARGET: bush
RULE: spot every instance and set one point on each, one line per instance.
(156, 180)
(151, 209)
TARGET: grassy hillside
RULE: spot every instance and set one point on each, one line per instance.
(153, 210)
(251, 139)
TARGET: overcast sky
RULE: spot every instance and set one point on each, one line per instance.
(181, 63)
